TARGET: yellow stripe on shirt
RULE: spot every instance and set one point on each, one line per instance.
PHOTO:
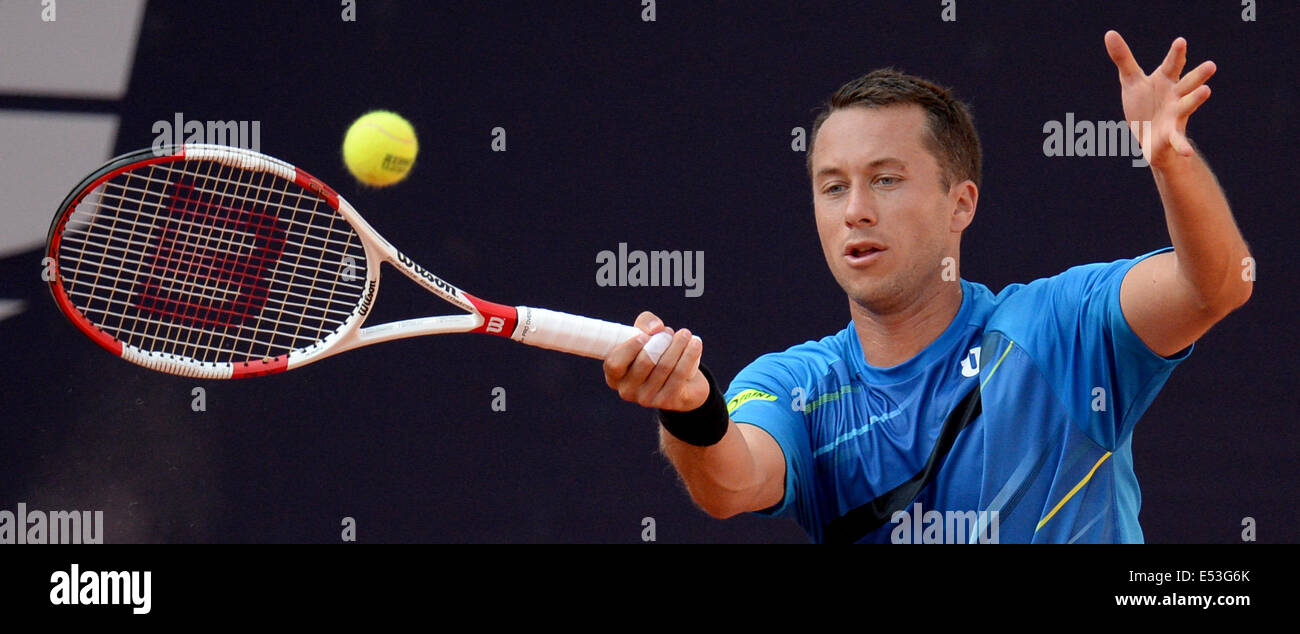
(1072, 492)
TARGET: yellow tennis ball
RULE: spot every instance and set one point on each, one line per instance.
(379, 149)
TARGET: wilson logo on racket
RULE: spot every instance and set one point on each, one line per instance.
(422, 272)
(368, 298)
(319, 188)
(209, 261)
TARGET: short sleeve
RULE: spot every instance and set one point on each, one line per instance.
(1074, 328)
(761, 395)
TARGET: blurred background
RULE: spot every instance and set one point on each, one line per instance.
(673, 133)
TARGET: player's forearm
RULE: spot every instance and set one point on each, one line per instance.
(724, 478)
(1209, 248)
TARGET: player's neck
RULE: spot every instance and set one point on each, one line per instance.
(890, 339)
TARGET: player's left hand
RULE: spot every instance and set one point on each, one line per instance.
(1161, 98)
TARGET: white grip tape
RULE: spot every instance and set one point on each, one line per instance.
(657, 344)
(583, 336)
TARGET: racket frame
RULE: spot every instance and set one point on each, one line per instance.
(539, 327)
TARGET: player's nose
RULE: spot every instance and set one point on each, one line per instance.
(861, 209)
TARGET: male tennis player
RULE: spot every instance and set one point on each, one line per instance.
(1013, 412)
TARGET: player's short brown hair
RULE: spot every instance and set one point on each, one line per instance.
(950, 133)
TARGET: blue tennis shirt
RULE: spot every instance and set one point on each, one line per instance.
(1013, 426)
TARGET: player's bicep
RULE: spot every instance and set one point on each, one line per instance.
(769, 465)
(1161, 308)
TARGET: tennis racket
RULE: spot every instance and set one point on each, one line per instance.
(218, 262)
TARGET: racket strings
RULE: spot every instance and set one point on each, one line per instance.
(211, 262)
(219, 257)
(270, 326)
(296, 231)
(151, 184)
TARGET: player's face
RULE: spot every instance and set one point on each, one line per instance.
(884, 218)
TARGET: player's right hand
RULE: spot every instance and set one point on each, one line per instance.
(675, 383)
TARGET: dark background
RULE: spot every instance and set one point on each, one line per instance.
(672, 134)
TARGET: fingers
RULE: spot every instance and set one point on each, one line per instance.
(668, 365)
(619, 360)
(1190, 102)
(636, 370)
(1152, 94)
(639, 380)
(1122, 56)
(1172, 66)
(687, 366)
(1175, 59)
(1194, 79)
(648, 323)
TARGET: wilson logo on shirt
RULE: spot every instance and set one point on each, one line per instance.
(747, 396)
(970, 366)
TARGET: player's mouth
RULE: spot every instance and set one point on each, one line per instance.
(863, 253)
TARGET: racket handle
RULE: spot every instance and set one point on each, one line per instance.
(578, 335)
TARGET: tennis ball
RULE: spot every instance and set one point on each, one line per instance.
(379, 148)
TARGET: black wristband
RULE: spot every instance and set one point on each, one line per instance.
(704, 425)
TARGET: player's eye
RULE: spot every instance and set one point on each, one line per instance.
(834, 188)
(888, 181)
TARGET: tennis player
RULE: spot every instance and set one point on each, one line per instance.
(1011, 412)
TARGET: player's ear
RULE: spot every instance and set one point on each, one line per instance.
(965, 196)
